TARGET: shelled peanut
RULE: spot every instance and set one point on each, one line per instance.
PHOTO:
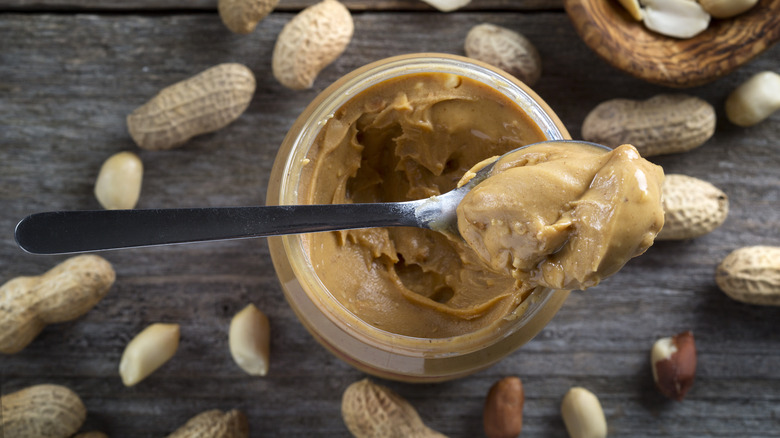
(683, 18)
(673, 362)
(249, 339)
(582, 414)
(118, 185)
(754, 100)
(726, 8)
(148, 351)
(447, 5)
(63, 293)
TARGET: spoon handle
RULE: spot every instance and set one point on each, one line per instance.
(61, 232)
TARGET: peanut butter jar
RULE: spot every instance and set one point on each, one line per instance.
(406, 304)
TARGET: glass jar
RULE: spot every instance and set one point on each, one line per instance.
(368, 348)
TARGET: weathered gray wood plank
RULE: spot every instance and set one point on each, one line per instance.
(66, 84)
(284, 5)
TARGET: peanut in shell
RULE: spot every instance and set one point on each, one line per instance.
(751, 275)
(664, 124)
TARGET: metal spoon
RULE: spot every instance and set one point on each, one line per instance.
(60, 232)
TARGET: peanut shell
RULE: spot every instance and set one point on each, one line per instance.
(310, 41)
(664, 124)
(63, 293)
(505, 49)
(242, 16)
(751, 275)
(692, 207)
(371, 410)
(214, 424)
(203, 103)
(41, 411)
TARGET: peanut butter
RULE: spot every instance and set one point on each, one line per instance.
(563, 215)
(414, 137)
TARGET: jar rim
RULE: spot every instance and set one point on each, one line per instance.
(302, 136)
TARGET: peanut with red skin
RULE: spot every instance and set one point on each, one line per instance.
(502, 415)
(674, 365)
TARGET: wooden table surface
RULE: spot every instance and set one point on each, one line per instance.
(70, 72)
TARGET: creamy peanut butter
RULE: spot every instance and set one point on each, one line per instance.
(563, 216)
(414, 137)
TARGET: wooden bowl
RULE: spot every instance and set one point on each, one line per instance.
(608, 29)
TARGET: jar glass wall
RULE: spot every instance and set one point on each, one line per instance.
(345, 334)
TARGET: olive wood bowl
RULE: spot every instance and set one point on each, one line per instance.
(608, 29)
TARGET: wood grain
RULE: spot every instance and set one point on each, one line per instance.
(284, 5)
(607, 28)
(67, 81)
